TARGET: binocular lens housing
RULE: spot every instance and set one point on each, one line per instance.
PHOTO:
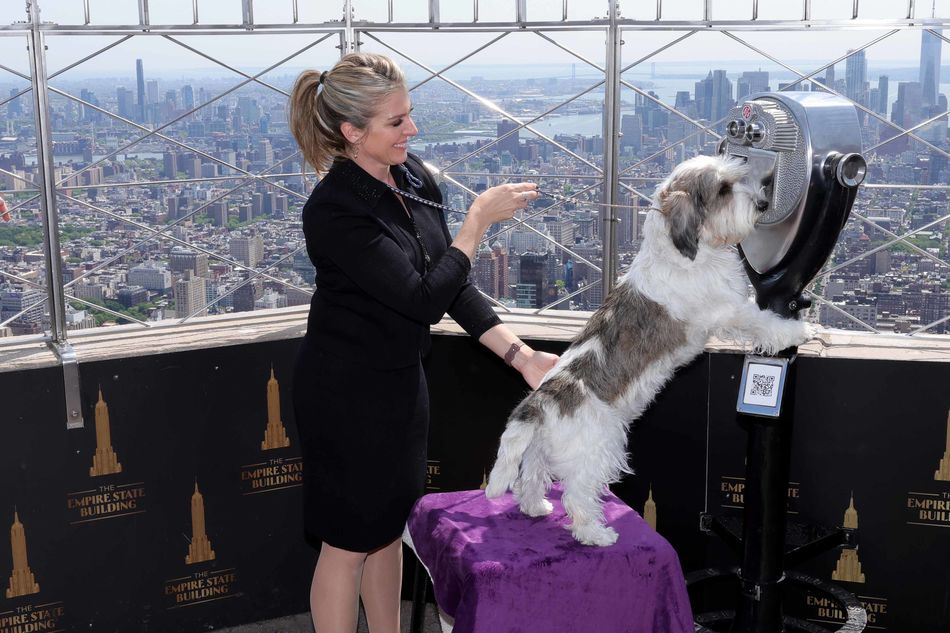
(850, 169)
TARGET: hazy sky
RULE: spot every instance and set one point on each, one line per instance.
(255, 51)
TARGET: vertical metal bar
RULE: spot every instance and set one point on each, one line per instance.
(348, 38)
(854, 10)
(521, 11)
(434, 17)
(390, 14)
(611, 127)
(296, 12)
(143, 12)
(910, 9)
(247, 12)
(474, 10)
(194, 11)
(755, 9)
(707, 10)
(807, 15)
(45, 178)
(85, 11)
(564, 11)
(659, 10)
(50, 215)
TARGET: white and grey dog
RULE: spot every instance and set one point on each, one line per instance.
(686, 283)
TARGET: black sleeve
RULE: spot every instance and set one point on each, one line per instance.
(469, 309)
(356, 243)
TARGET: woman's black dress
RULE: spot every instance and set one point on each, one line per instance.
(360, 394)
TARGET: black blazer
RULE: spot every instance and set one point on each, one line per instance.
(374, 300)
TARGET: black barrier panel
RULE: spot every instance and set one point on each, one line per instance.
(105, 547)
(33, 455)
(178, 505)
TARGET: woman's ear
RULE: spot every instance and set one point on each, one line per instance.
(351, 133)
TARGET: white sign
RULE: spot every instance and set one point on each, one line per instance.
(762, 385)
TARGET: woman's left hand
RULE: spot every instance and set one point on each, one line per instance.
(536, 366)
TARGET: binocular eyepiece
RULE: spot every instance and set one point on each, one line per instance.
(808, 145)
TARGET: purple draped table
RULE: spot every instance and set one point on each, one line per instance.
(496, 570)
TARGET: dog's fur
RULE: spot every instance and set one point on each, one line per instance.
(686, 283)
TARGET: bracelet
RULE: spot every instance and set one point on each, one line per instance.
(510, 354)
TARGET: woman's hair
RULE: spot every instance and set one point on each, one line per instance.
(350, 92)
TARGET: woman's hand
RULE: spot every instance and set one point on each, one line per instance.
(534, 365)
(500, 203)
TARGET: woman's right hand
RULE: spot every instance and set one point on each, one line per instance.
(500, 203)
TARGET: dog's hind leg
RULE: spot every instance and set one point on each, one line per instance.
(583, 504)
(514, 442)
(532, 486)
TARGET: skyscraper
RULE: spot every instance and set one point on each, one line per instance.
(929, 78)
(509, 144)
(856, 77)
(751, 82)
(140, 89)
(882, 100)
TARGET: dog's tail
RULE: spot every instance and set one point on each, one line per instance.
(514, 441)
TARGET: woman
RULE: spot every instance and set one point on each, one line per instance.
(387, 268)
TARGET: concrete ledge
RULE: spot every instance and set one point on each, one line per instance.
(30, 352)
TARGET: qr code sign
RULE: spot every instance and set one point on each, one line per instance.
(762, 385)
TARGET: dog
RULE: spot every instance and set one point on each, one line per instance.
(686, 283)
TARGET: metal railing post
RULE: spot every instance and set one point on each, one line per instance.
(46, 180)
(611, 128)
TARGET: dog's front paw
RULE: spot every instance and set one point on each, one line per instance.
(812, 331)
(536, 508)
(594, 534)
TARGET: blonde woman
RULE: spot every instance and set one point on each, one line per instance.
(387, 268)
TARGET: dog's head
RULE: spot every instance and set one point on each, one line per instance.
(709, 199)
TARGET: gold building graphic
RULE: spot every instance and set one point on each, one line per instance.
(943, 473)
(649, 510)
(105, 461)
(849, 567)
(22, 582)
(200, 548)
(484, 483)
(276, 435)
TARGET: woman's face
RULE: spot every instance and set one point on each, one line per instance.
(386, 138)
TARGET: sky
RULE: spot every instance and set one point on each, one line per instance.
(255, 51)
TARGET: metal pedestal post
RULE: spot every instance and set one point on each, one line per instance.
(763, 529)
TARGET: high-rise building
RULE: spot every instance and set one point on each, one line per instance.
(125, 102)
(511, 143)
(140, 89)
(714, 95)
(882, 96)
(856, 77)
(183, 259)
(929, 76)
(170, 165)
(249, 250)
(751, 82)
(190, 294)
(27, 302)
(187, 97)
(631, 129)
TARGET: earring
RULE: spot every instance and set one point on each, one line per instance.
(356, 150)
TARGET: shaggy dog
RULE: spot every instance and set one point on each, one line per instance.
(686, 283)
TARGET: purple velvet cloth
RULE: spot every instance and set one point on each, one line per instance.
(496, 570)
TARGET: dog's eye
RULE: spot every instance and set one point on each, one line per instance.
(725, 189)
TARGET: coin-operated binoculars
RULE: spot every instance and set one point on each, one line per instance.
(806, 147)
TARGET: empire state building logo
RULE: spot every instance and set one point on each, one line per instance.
(849, 567)
(200, 548)
(22, 582)
(943, 472)
(649, 510)
(276, 435)
(105, 461)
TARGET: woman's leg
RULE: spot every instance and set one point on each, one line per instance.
(380, 588)
(334, 592)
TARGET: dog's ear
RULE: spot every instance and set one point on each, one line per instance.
(684, 219)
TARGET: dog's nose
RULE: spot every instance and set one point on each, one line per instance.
(762, 205)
